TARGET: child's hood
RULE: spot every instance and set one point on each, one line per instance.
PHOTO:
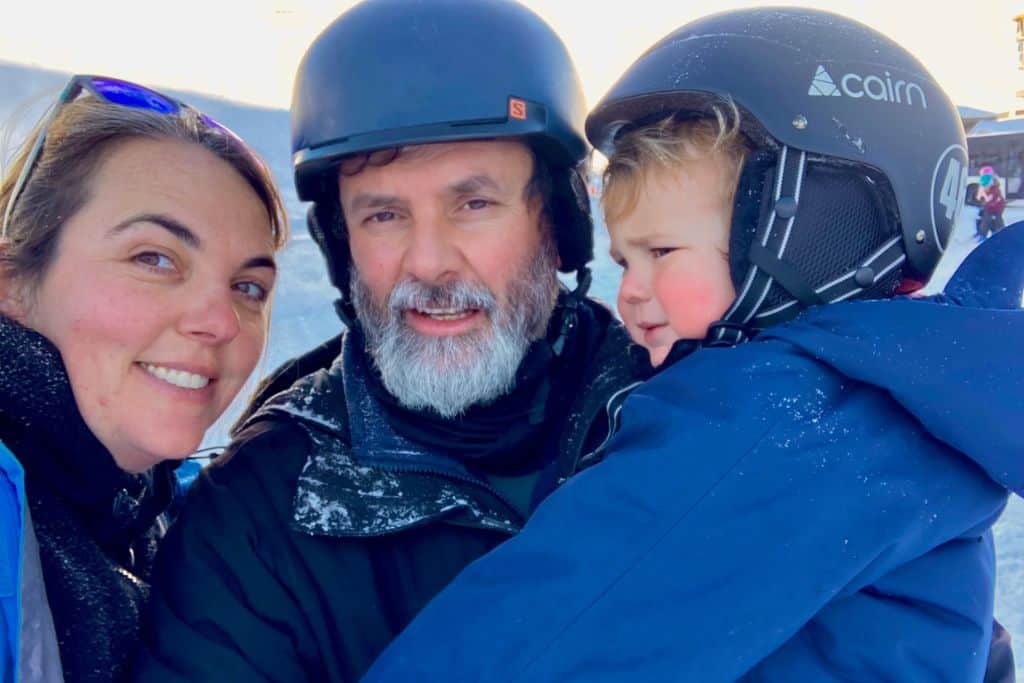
(952, 360)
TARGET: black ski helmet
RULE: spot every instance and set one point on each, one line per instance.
(389, 73)
(859, 165)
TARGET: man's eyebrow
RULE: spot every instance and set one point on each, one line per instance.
(171, 225)
(365, 200)
(473, 184)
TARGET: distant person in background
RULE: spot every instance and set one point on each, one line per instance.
(990, 196)
(136, 267)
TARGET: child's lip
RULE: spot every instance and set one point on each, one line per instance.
(653, 333)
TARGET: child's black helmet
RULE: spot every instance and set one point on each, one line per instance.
(860, 161)
(389, 73)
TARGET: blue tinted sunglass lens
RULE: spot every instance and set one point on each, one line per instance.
(131, 95)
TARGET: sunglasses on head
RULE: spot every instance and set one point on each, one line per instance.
(117, 92)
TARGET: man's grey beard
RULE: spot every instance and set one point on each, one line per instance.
(449, 374)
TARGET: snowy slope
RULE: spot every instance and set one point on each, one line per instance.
(303, 315)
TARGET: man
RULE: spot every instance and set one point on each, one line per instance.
(441, 145)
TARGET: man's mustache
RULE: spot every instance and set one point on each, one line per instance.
(459, 295)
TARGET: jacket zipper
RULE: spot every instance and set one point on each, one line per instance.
(517, 518)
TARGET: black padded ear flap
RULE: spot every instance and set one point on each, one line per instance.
(570, 216)
(327, 228)
(751, 207)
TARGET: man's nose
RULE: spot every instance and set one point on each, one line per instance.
(433, 252)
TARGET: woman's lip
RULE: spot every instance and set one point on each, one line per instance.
(194, 368)
(202, 396)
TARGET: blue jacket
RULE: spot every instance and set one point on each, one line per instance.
(815, 505)
(12, 518)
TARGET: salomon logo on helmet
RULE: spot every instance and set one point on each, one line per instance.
(873, 87)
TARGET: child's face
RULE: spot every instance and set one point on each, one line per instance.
(673, 249)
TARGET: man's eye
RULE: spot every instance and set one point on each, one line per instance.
(381, 217)
(477, 204)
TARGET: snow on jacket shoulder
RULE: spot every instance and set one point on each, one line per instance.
(815, 505)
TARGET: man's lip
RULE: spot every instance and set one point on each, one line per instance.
(429, 325)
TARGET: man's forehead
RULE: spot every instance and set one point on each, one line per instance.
(461, 166)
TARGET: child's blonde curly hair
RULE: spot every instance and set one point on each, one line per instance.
(668, 144)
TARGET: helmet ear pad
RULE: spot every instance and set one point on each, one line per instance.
(326, 226)
(845, 213)
(569, 215)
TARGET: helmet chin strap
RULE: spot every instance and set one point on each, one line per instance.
(583, 280)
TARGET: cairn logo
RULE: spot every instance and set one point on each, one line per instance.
(873, 87)
(822, 84)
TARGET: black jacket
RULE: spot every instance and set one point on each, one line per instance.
(307, 547)
(97, 526)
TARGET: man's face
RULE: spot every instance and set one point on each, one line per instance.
(452, 274)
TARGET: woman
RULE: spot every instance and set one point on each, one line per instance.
(136, 265)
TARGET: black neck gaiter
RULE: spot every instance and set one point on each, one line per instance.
(513, 433)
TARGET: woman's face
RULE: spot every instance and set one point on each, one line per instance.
(157, 297)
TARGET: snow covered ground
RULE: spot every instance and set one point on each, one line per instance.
(303, 315)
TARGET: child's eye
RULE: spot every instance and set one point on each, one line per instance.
(620, 262)
(154, 260)
(658, 252)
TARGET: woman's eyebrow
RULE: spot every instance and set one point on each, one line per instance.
(171, 225)
(260, 262)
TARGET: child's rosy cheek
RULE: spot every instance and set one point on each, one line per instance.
(688, 303)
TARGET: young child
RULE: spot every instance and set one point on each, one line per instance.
(789, 498)
(668, 195)
(990, 215)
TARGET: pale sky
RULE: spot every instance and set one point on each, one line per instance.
(248, 50)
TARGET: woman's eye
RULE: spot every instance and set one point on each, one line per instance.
(252, 290)
(154, 260)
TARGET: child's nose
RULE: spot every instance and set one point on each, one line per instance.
(633, 289)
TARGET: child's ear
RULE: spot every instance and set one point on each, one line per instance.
(13, 296)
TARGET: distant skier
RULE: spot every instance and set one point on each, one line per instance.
(787, 499)
(990, 195)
